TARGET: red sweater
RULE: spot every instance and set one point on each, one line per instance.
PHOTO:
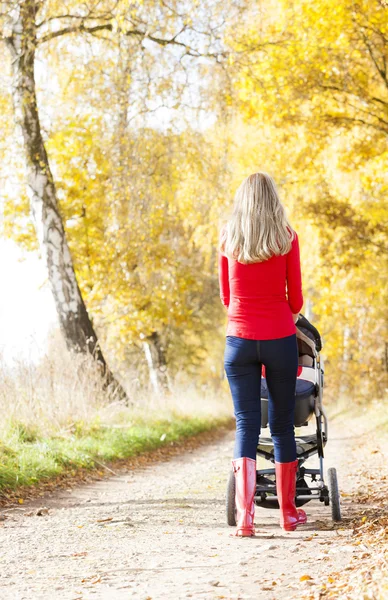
(261, 297)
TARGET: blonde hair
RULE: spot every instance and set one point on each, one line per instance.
(258, 227)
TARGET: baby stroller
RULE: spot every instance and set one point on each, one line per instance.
(310, 483)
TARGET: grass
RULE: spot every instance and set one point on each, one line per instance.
(56, 418)
(25, 462)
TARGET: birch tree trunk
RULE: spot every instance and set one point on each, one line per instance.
(73, 317)
(157, 362)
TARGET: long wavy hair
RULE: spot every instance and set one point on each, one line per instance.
(258, 228)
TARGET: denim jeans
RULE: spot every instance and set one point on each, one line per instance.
(243, 360)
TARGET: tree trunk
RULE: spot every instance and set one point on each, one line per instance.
(73, 317)
(157, 363)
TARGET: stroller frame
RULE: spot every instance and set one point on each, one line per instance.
(310, 483)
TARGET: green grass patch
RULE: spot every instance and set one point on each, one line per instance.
(27, 459)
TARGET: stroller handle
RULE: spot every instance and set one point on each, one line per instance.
(305, 323)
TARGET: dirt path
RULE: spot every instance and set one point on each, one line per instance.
(159, 533)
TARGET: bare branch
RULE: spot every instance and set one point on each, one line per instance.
(74, 29)
(58, 17)
(380, 69)
(132, 32)
(342, 91)
(343, 119)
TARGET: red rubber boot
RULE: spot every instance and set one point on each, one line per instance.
(245, 476)
(290, 516)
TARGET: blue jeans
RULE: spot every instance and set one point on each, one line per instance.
(243, 360)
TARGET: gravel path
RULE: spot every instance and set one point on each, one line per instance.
(159, 532)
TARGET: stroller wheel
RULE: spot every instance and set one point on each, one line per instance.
(334, 494)
(231, 500)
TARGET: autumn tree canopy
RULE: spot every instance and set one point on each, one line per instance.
(151, 115)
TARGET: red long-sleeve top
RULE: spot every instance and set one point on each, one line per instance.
(261, 297)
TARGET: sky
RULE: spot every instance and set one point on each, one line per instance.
(27, 310)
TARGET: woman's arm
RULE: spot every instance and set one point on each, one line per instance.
(223, 278)
(294, 278)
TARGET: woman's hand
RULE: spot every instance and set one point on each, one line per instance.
(295, 317)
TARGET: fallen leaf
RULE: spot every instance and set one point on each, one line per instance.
(42, 511)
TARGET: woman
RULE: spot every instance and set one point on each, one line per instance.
(260, 284)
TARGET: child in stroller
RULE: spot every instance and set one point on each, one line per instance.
(310, 483)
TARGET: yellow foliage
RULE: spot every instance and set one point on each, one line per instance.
(315, 72)
(303, 94)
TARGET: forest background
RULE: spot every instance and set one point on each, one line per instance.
(141, 119)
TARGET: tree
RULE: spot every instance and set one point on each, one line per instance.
(146, 258)
(30, 24)
(317, 73)
(73, 317)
